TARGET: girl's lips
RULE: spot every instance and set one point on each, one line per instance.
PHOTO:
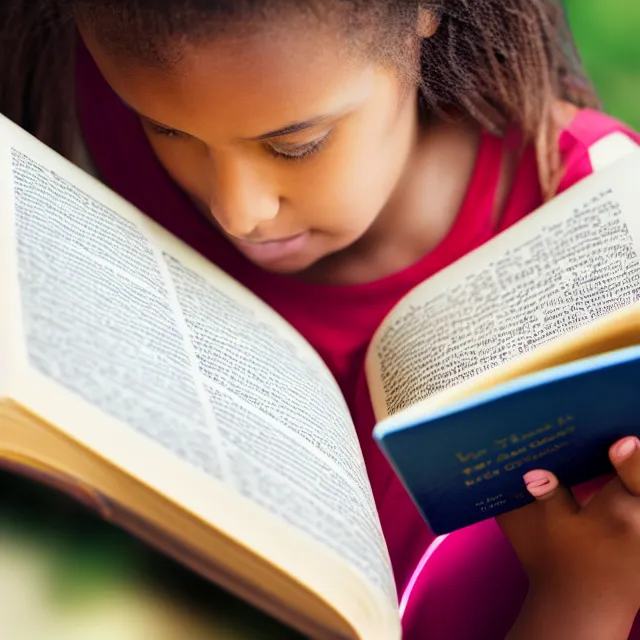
(273, 250)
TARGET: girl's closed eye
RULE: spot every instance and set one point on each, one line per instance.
(285, 151)
(165, 131)
(299, 151)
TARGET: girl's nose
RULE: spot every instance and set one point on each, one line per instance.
(241, 200)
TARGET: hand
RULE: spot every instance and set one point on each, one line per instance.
(583, 562)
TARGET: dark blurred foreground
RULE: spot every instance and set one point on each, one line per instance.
(67, 575)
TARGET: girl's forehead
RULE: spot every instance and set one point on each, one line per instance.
(154, 37)
(262, 77)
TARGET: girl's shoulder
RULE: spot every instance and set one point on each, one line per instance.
(578, 130)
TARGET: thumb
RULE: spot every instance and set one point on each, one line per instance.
(553, 499)
(625, 457)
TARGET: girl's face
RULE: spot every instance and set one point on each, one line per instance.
(290, 143)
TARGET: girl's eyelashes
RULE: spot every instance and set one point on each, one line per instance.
(298, 152)
(164, 131)
(285, 152)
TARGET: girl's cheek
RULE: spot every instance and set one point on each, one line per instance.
(189, 172)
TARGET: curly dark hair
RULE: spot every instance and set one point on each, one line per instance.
(500, 62)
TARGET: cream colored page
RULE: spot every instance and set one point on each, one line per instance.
(283, 425)
(558, 269)
(125, 317)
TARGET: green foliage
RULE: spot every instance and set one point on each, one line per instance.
(608, 38)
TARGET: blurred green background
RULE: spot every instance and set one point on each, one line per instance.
(607, 33)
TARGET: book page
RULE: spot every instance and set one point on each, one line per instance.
(570, 263)
(283, 425)
(133, 322)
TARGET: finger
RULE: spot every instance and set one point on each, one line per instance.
(553, 499)
(625, 457)
(553, 502)
(541, 484)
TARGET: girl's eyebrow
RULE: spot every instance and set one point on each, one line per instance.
(158, 124)
(294, 127)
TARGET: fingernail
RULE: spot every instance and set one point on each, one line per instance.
(625, 448)
(538, 482)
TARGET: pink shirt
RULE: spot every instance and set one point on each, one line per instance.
(472, 585)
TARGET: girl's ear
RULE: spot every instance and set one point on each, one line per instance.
(428, 23)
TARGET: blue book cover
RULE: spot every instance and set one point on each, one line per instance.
(464, 463)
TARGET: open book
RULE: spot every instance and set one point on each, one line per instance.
(144, 380)
(523, 355)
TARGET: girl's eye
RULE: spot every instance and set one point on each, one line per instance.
(299, 152)
(164, 131)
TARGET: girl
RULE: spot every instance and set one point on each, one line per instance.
(331, 155)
